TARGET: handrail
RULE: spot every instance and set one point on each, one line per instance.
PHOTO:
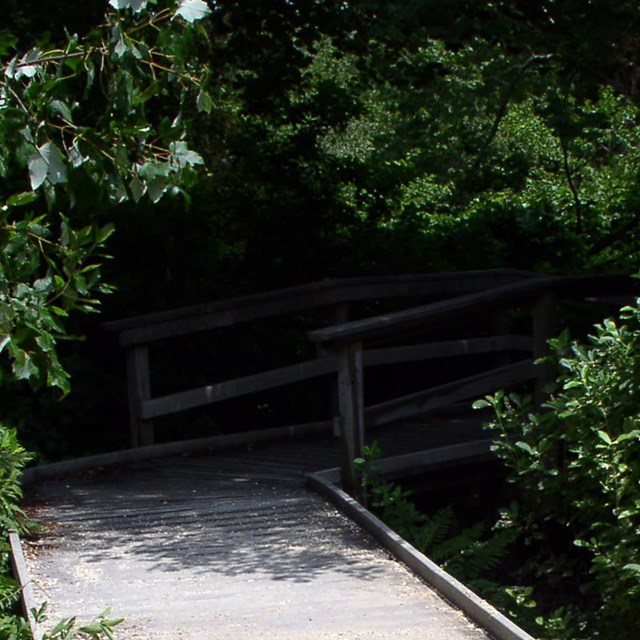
(340, 347)
(346, 340)
(138, 333)
(168, 324)
(439, 313)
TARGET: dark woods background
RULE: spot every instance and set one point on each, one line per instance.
(358, 138)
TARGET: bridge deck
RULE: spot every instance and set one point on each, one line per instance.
(229, 546)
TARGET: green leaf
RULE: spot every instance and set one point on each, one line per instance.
(121, 48)
(137, 188)
(38, 169)
(47, 163)
(63, 626)
(148, 93)
(42, 285)
(183, 156)
(135, 5)
(59, 311)
(192, 10)
(604, 436)
(92, 629)
(21, 199)
(204, 102)
(23, 366)
(150, 170)
(631, 435)
(157, 189)
(62, 109)
(46, 342)
(525, 447)
(75, 155)
(23, 66)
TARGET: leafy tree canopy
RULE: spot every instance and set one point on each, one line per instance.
(86, 122)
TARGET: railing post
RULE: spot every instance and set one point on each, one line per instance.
(351, 401)
(139, 390)
(544, 328)
(340, 315)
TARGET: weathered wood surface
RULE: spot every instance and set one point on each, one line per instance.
(147, 407)
(351, 406)
(137, 333)
(177, 322)
(139, 390)
(468, 388)
(471, 295)
(232, 546)
(470, 306)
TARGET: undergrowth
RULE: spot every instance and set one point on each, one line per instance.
(473, 554)
(13, 626)
(484, 555)
(574, 462)
(563, 560)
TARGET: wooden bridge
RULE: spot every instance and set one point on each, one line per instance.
(218, 537)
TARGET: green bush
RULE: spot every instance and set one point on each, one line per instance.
(470, 553)
(574, 463)
(13, 458)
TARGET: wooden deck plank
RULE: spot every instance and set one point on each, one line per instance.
(222, 547)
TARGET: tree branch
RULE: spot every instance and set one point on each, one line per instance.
(502, 110)
(572, 185)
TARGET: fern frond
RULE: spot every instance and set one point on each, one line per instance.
(9, 592)
(435, 530)
(451, 549)
(482, 555)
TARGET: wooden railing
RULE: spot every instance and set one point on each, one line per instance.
(347, 341)
(138, 334)
(346, 348)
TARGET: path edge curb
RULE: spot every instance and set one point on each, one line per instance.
(21, 574)
(480, 611)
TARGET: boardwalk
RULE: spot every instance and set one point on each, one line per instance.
(232, 545)
(227, 546)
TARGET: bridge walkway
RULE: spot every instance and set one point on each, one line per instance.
(232, 546)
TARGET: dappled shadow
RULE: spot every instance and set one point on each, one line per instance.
(208, 523)
(242, 513)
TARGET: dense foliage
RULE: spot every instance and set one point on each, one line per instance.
(78, 132)
(376, 137)
(563, 558)
(578, 484)
(470, 552)
(335, 139)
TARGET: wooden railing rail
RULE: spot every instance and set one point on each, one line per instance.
(186, 320)
(139, 333)
(181, 401)
(441, 313)
(461, 297)
(345, 342)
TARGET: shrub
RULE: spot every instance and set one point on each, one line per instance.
(574, 463)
